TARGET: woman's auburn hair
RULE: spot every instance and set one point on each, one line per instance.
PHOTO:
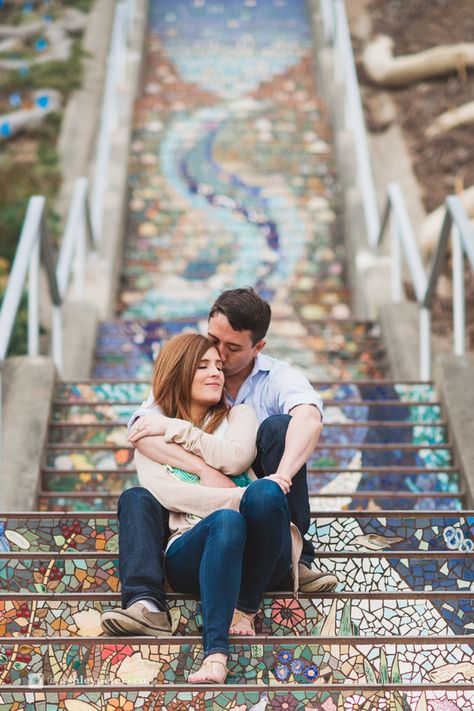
(175, 367)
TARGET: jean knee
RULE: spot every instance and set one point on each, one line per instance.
(230, 526)
(136, 499)
(274, 426)
(263, 498)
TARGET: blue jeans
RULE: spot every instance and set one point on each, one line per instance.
(143, 522)
(231, 558)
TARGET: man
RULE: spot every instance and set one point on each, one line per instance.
(290, 417)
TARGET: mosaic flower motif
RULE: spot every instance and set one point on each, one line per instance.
(284, 703)
(285, 656)
(119, 703)
(297, 666)
(311, 673)
(287, 612)
(355, 703)
(282, 672)
(117, 652)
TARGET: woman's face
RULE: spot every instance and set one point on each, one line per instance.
(208, 380)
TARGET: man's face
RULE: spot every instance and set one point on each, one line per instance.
(235, 347)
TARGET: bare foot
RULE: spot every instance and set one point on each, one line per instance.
(212, 671)
(243, 623)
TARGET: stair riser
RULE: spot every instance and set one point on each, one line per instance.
(278, 616)
(259, 663)
(126, 391)
(327, 503)
(356, 572)
(208, 700)
(355, 456)
(332, 434)
(99, 482)
(422, 414)
(358, 532)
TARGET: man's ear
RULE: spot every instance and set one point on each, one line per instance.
(259, 346)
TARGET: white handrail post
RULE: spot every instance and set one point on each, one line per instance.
(57, 338)
(425, 343)
(33, 300)
(396, 255)
(459, 315)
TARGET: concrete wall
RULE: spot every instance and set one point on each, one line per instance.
(29, 382)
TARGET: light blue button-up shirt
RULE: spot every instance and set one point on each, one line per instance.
(272, 388)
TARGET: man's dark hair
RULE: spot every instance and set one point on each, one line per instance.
(245, 311)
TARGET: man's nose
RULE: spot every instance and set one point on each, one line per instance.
(222, 354)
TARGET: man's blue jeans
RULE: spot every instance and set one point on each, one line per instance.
(231, 558)
(143, 522)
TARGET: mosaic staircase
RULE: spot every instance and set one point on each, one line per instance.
(232, 182)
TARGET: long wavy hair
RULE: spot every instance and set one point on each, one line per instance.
(175, 367)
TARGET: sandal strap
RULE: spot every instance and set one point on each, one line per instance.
(239, 615)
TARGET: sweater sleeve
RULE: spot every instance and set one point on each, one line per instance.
(233, 453)
(183, 497)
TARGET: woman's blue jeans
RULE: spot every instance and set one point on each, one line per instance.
(231, 558)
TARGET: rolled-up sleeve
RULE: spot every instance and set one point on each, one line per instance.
(147, 406)
(291, 388)
(233, 453)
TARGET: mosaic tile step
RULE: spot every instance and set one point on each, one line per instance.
(356, 530)
(415, 481)
(359, 696)
(383, 433)
(336, 660)
(356, 570)
(345, 412)
(279, 615)
(137, 391)
(351, 455)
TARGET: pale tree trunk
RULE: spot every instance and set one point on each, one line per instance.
(385, 69)
(460, 116)
(431, 225)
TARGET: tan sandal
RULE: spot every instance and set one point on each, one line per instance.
(210, 677)
(240, 616)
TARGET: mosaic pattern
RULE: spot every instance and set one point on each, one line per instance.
(345, 531)
(332, 434)
(265, 663)
(278, 700)
(279, 616)
(318, 481)
(138, 391)
(352, 455)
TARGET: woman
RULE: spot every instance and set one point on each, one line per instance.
(230, 541)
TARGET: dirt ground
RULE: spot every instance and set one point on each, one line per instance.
(443, 164)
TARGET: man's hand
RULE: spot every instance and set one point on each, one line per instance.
(148, 425)
(283, 482)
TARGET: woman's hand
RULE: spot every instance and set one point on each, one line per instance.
(215, 478)
(147, 425)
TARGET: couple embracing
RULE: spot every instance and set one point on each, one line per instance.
(221, 446)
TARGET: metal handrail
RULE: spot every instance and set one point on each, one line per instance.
(35, 247)
(456, 226)
(336, 30)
